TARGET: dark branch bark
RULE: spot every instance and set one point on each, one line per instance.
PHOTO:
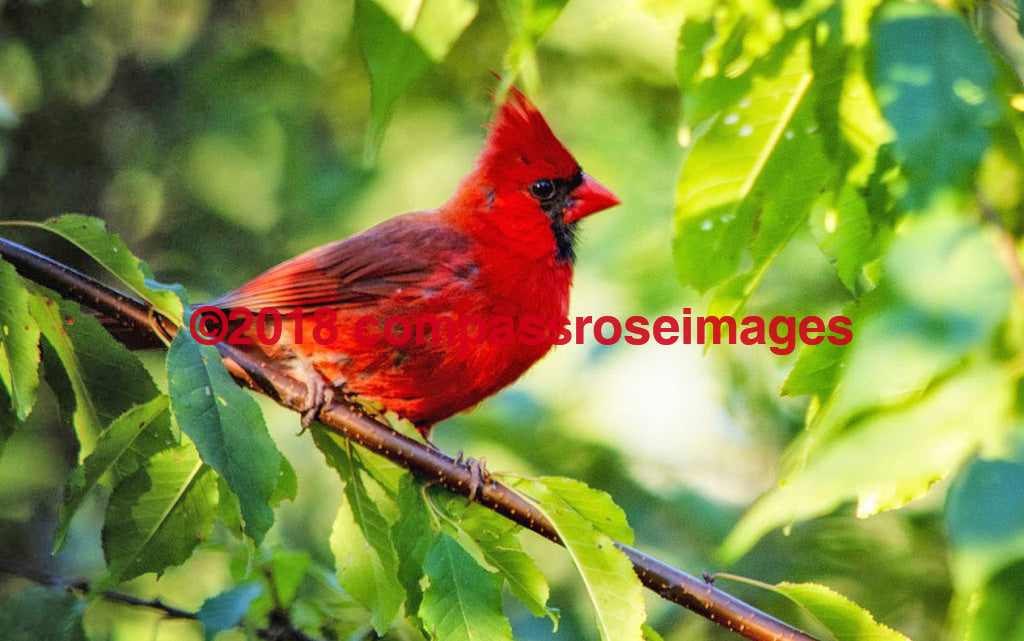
(262, 375)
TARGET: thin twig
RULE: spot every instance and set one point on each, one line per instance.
(43, 578)
(264, 376)
(279, 628)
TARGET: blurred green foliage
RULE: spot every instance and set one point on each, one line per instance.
(860, 157)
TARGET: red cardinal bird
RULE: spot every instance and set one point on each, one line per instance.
(502, 246)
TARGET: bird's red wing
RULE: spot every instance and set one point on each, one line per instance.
(403, 253)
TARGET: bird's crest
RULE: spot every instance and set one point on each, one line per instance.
(521, 142)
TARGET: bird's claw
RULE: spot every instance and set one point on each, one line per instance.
(318, 396)
(478, 474)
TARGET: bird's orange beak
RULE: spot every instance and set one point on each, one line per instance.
(589, 198)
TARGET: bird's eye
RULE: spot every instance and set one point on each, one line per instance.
(542, 189)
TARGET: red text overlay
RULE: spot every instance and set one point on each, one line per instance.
(241, 326)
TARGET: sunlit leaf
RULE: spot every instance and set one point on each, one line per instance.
(122, 448)
(501, 550)
(19, 344)
(694, 36)
(105, 379)
(90, 235)
(366, 560)
(227, 427)
(400, 40)
(844, 619)
(909, 449)
(365, 557)
(650, 634)
(846, 234)
(463, 600)
(724, 182)
(943, 294)
(595, 506)
(860, 120)
(613, 588)
(157, 516)
(527, 22)
(815, 371)
(413, 536)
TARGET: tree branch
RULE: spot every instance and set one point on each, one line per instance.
(264, 376)
(279, 625)
(42, 578)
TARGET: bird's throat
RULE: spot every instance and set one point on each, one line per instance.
(565, 237)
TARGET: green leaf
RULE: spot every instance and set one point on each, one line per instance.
(595, 506)
(105, 378)
(227, 427)
(843, 618)
(737, 159)
(933, 81)
(288, 569)
(943, 295)
(41, 613)
(815, 371)
(157, 516)
(366, 559)
(463, 600)
(8, 419)
(227, 609)
(501, 550)
(994, 611)
(845, 232)
(613, 588)
(985, 521)
(909, 449)
(91, 236)
(229, 512)
(860, 120)
(527, 22)
(19, 344)
(650, 634)
(413, 536)
(694, 37)
(400, 40)
(287, 484)
(122, 448)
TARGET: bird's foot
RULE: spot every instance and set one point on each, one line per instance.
(319, 394)
(478, 474)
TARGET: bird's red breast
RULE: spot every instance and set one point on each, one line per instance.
(501, 247)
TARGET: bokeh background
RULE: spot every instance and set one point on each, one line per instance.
(222, 137)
